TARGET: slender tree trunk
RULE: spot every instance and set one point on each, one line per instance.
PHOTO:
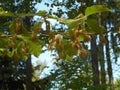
(102, 65)
(94, 61)
(29, 85)
(28, 65)
(109, 65)
(29, 74)
(101, 51)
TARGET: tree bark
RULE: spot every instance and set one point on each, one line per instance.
(94, 60)
(101, 50)
(109, 65)
(102, 65)
(29, 74)
(101, 53)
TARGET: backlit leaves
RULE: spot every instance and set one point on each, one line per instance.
(21, 42)
(10, 14)
(92, 26)
(72, 23)
(96, 9)
(17, 26)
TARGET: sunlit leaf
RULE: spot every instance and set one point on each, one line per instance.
(12, 26)
(1, 9)
(82, 38)
(37, 27)
(69, 58)
(95, 9)
(35, 48)
(3, 42)
(6, 13)
(73, 23)
(92, 26)
(68, 50)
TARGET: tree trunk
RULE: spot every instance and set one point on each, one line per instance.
(102, 65)
(29, 74)
(94, 61)
(109, 65)
(101, 51)
(28, 65)
(27, 21)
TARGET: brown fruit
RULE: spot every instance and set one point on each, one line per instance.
(61, 55)
(23, 50)
(76, 33)
(73, 44)
(14, 36)
(11, 44)
(57, 37)
(82, 31)
(87, 38)
(49, 47)
(33, 36)
(15, 56)
(18, 26)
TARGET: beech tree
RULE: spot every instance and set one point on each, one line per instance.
(100, 54)
(22, 41)
(21, 37)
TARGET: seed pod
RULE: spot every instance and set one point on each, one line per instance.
(103, 40)
(76, 33)
(50, 41)
(15, 56)
(61, 55)
(18, 27)
(23, 50)
(11, 44)
(57, 37)
(33, 36)
(79, 52)
(87, 38)
(49, 47)
(73, 44)
(14, 36)
(82, 31)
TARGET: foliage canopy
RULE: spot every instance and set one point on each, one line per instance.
(19, 42)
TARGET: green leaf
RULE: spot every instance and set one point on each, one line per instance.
(12, 26)
(72, 23)
(69, 58)
(24, 37)
(82, 38)
(37, 27)
(3, 42)
(95, 9)
(35, 48)
(92, 26)
(6, 13)
(2, 49)
(68, 50)
(1, 9)
(10, 14)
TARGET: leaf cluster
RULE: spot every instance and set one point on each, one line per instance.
(23, 42)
